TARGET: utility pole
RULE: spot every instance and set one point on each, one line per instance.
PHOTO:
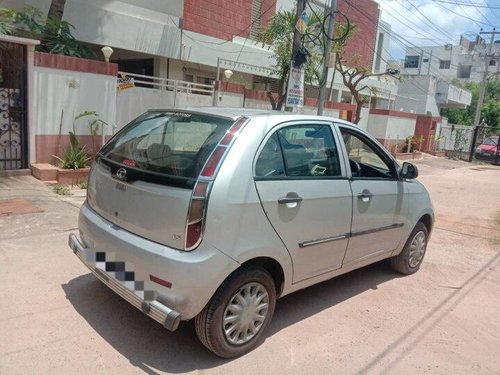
(301, 5)
(482, 90)
(327, 55)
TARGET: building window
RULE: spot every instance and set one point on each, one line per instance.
(256, 18)
(493, 62)
(444, 64)
(412, 61)
(425, 60)
(464, 71)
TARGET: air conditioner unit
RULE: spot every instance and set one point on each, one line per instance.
(448, 46)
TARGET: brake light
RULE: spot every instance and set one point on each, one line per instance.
(199, 199)
(196, 214)
(213, 161)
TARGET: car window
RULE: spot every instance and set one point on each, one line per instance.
(300, 151)
(364, 159)
(490, 141)
(173, 144)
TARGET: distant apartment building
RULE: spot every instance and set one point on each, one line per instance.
(465, 61)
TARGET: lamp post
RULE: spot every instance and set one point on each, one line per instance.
(107, 51)
(228, 73)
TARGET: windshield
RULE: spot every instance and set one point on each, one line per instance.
(491, 141)
(173, 144)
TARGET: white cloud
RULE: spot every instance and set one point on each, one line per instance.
(428, 23)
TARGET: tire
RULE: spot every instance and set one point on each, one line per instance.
(412, 255)
(251, 285)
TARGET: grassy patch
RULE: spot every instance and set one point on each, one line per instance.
(61, 189)
(82, 185)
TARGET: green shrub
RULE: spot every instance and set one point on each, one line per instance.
(61, 189)
(74, 156)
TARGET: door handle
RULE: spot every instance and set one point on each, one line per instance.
(365, 195)
(291, 200)
(286, 200)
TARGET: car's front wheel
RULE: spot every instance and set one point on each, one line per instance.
(410, 259)
(239, 312)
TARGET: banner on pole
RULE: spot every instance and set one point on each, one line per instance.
(295, 91)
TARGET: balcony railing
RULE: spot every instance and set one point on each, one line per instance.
(158, 83)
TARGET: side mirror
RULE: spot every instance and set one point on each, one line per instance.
(409, 171)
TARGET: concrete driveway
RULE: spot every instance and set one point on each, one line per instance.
(57, 318)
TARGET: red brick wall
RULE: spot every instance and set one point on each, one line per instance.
(223, 18)
(364, 14)
(426, 128)
(49, 60)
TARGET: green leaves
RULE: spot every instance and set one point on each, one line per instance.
(490, 112)
(74, 157)
(54, 34)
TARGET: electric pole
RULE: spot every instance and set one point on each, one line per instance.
(482, 90)
(301, 5)
(327, 55)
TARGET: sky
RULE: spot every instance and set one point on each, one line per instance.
(433, 22)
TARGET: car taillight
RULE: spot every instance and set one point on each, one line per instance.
(196, 214)
(199, 199)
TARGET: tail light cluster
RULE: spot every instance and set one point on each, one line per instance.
(199, 198)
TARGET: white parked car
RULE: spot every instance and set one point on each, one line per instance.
(212, 214)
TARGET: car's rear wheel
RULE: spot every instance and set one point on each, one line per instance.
(410, 259)
(238, 314)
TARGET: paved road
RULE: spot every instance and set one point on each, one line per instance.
(56, 318)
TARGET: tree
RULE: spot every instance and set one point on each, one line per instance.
(353, 72)
(490, 112)
(55, 35)
(55, 15)
(278, 35)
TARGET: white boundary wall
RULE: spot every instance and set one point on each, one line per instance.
(60, 95)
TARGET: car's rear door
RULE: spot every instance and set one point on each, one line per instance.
(301, 180)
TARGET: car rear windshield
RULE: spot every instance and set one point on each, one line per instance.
(169, 144)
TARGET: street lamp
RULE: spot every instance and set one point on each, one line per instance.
(107, 51)
(228, 73)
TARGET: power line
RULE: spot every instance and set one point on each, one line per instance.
(480, 12)
(438, 2)
(368, 16)
(431, 23)
(469, 4)
(465, 12)
(399, 40)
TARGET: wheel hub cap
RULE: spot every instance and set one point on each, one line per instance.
(245, 313)
(417, 249)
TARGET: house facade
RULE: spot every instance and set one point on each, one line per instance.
(185, 39)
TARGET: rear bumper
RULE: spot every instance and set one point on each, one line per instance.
(168, 317)
(183, 281)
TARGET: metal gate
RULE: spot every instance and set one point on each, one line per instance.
(13, 107)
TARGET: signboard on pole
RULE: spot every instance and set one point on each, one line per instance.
(302, 22)
(295, 91)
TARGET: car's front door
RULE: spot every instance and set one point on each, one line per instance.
(304, 190)
(377, 199)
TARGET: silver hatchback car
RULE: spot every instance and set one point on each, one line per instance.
(212, 214)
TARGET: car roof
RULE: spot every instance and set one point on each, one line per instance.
(235, 112)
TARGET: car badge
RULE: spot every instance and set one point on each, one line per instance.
(121, 174)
